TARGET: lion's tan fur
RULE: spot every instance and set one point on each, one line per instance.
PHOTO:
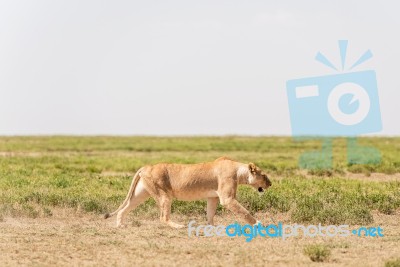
(216, 180)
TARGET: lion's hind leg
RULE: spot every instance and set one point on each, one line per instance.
(165, 203)
(138, 197)
(212, 204)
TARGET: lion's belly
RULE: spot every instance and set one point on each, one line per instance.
(192, 195)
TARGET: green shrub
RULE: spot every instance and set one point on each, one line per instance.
(393, 263)
(317, 253)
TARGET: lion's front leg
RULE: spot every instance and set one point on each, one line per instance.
(234, 206)
(227, 196)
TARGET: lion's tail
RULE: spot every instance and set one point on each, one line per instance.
(135, 180)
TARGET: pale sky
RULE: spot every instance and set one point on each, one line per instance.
(181, 67)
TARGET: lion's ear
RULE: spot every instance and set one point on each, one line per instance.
(252, 167)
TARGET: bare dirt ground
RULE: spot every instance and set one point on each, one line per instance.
(73, 239)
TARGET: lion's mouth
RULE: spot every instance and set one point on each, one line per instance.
(260, 189)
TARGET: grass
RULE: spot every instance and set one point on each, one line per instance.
(317, 252)
(38, 174)
(393, 263)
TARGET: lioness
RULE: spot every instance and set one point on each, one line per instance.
(211, 180)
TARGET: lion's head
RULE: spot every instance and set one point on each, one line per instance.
(259, 179)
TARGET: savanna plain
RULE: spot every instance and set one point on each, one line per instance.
(55, 190)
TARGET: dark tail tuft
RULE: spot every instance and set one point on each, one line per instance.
(107, 215)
